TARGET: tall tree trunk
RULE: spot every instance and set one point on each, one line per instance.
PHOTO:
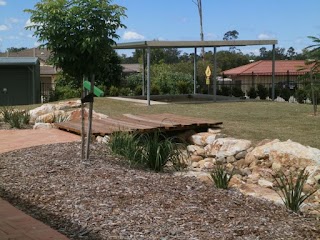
(90, 119)
(314, 98)
(82, 123)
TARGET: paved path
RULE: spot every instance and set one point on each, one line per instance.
(17, 139)
(14, 224)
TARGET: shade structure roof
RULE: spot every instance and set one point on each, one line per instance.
(18, 60)
(264, 67)
(191, 44)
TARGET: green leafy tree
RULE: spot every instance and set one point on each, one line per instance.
(79, 33)
(229, 36)
(14, 49)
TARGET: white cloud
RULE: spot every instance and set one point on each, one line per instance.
(13, 20)
(265, 36)
(28, 23)
(3, 28)
(129, 35)
(37, 44)
(3, 3)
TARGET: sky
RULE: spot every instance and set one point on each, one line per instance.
(288, 21)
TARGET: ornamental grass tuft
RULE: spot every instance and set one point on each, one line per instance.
(220, 177)
(291, 188)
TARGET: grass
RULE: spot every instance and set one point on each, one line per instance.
(254, 121)
(15, 117)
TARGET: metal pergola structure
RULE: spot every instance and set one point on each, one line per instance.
(148, 45)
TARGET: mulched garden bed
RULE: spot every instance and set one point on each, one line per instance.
(106, 199)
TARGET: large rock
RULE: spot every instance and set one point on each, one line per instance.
(205, 138)
(260, 192)
(224, 147)
(55, 116)
(49, 108)
(286, 153)
(43, 109)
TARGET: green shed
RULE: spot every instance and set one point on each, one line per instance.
(19, 80)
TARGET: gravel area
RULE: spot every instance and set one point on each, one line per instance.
(106, 199)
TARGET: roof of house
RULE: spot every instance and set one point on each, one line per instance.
(264, 67)
(131, 68)
(42, 53)
(48, 70)
(18, 61)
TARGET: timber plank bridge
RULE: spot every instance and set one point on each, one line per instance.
(164, 122)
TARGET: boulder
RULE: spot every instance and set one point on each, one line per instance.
(286, 153)
(279, 99)
(265, 183)
(224, 147)
(45, 118)
(43, 109)
(196, 150)
(196, 158)
(68, 105)
(205, 138)
(260, 192)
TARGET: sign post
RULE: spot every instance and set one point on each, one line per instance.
(208, 75)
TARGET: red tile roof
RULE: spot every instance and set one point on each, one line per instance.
(264, 67)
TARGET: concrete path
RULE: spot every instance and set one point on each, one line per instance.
(137, 100)
(14, 224)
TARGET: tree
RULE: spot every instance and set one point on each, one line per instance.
(314, 63)
(291, 54)
(229, 36)
(14, 49)
(199, 6)
(79, 33)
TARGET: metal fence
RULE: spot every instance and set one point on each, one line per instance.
(46, 91)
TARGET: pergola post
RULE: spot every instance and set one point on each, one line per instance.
(195, 71)
(215, 74)
(148, 76)
(143, 71)
(273, 70)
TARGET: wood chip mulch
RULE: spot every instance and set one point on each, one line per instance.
(107, 199)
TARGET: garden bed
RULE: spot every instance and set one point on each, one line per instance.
(106, 199)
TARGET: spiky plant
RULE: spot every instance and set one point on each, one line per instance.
(291, 189)
(220, 177)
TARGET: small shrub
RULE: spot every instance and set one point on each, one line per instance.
(113, 91)
(220, 177)
(285, 93)
(18, 118)
(6, 113)
(252, 93)
(300, 95)
(225, 91)
(291, 189)
(262, 91)
(138, 91)
(237, 92)
(183, 87)
(155, 90)
(124, 91)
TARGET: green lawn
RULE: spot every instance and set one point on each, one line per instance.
(249, 120)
